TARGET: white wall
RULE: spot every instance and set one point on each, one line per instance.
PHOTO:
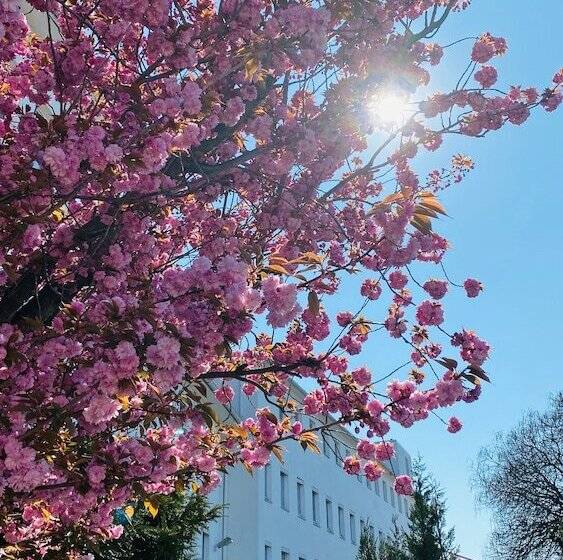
(252, 522)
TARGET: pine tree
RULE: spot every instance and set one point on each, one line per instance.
(392, 548)
(368, 549)
(428, 538)
(168, 533)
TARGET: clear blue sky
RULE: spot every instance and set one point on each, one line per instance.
(506, 229)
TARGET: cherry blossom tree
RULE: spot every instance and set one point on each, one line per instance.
(185, 185)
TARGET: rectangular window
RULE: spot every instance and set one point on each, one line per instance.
(400, 504)
(392, 492)
(369, 483)
(377, 489)
(385, 497)
(372, 531)
(267, 552)
(362, 526)
(284, 555)
(205, 546)
(315, 507)
(284, 491)
(300, 499)
(353, 528)
(268, 482)
(329, 520)
(341, 525)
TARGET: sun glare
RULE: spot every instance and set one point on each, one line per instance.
(390, 109)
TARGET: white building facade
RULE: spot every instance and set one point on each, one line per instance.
(306, 508)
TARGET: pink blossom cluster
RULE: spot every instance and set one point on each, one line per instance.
(181, 207)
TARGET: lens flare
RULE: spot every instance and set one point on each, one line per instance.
(390, 109)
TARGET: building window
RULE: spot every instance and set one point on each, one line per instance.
(315, 507)
(369, 484)
(284, 491)
(268, 482)
(267, 552)
(284, 555)
(377, 490)
(362, 526)
(205, 546)
(329, 520)
(372, 531)
(400, 504)
(353, 528)
(341, 525)
(392, 492)
(300, 499)
(385, 497)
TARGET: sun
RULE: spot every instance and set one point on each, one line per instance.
(390, 109)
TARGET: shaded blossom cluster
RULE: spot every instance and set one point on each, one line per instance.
(184, 187)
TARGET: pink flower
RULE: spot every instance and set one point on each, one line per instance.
(448, 390)
(373, 471)
(281, 301)
(352, 465)
(403, 485)
(486, 76)
(191, 94)
(96, 473)
(165, 353)
(486, 47)
(400, 390)
(365, 449)
(56, 158)
(430, 313)
(371, 289)
(375, 408)
(454, 425)
(398, 280)
(384, 451)
(113, 153)
(436, 288)
(225, 394)
(127, 357)
(255, 458)
(114, 531)
(472, 287)
(361, 376)
(205, 463)
(344, 318)
(297, 428)
(268, 430)
(101, 409)
(32, 237)
(473, 349)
